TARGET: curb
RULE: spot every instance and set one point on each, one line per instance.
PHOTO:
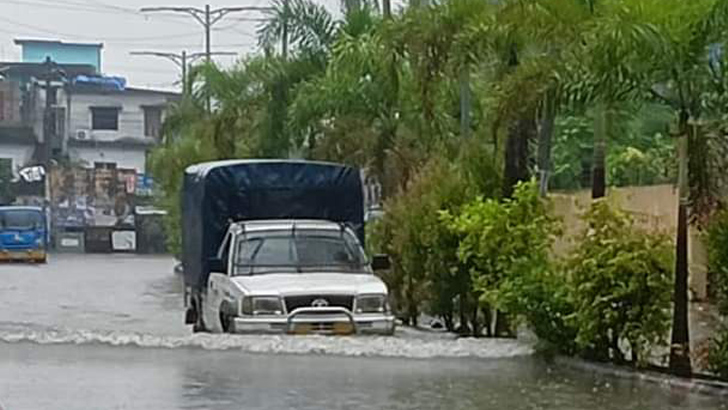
(708, 387)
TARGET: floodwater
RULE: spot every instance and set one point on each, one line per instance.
(106, 332)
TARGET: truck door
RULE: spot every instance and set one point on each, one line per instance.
(218, 285)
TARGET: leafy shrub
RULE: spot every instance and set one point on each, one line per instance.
(422, 252)
(506, 245)
(427, 274)
(718, 354)
(718, 258)
(621, 278)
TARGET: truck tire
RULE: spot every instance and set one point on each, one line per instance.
(199, 326)
(227, 322)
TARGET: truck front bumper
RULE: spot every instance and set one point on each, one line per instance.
(318, 321)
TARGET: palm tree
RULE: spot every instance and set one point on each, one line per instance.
(664, 58)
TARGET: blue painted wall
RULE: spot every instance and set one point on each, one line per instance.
(62, 53)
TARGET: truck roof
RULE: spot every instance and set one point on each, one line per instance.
(203, 168)
(289, 224)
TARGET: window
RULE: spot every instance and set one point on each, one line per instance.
(105, 165)
(300, 252)
(152, 121)
(105, 118)
(21, 220)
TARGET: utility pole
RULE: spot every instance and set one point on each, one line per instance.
(207, 17)
(182, 60)
(387, 8)
(284, 36)
(52, 73)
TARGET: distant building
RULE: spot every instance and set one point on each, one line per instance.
(92, 134)
(37, 51)
(113, 127)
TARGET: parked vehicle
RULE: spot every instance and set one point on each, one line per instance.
(23, 234)
(277, 247)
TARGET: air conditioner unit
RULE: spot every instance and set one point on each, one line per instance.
(83, 134)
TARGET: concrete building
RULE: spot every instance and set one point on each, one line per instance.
(92, 119)
(114, 126)
(91, 133)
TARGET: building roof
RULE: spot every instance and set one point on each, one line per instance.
(96, 89)
(127, 142)
(38, 69)
(23, 41)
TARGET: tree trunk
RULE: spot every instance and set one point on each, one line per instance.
(465, 102)
(474, 320)
(680, 347)
(488, 321)
(545, 134)
(412, 310)
(464, 328)
(520, 134)
(503, 325)
(601, 132)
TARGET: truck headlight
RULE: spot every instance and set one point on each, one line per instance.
(261, 306)
(372, 304)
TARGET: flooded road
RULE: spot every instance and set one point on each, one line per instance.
(106, 332)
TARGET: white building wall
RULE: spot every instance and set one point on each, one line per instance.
(20, 154)
(131, 114)
(123, 157)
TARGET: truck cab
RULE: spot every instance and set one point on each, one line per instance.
(295, 276)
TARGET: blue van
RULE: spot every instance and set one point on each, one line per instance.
(23, 234)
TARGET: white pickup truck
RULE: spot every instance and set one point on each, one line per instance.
(276, 246)
(295, 276)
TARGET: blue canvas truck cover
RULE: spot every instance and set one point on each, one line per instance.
(214, 194)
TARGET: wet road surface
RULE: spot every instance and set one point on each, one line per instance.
(106, 332)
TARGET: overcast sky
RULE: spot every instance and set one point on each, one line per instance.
(122, 29)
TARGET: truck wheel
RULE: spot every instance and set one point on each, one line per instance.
(199, 325)
(227, 322)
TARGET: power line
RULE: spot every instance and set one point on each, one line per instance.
(182, 60)
(83, 7)
(207, 18)
(109, 39)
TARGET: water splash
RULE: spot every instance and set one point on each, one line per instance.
(407, 344)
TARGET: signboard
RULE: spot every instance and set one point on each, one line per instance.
(32, 174)
(123, 241)
(144, 185)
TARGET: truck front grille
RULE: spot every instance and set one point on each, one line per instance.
(295, 302)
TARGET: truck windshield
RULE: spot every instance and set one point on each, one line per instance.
(298, 253)
(20, 220)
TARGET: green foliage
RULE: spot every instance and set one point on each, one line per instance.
(718, 354)
(422, 251)
(717, 243)
(505, 245)
(621, 286)
(504, 241)
(427, 274)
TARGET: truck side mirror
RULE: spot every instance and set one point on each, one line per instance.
(381, 262)
(216, 265)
